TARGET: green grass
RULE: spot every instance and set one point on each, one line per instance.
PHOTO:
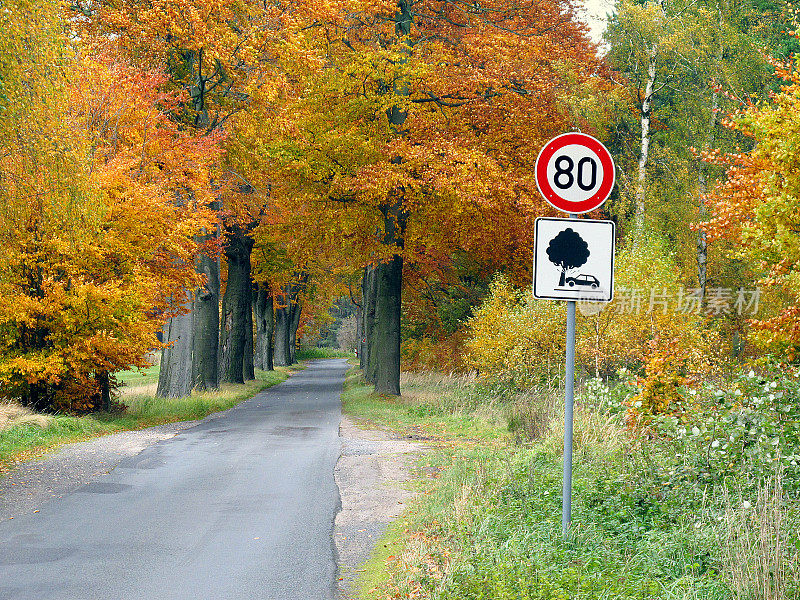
(372, 574)
(314, 352)
(489, 526)
(428, 409)
(24, 441)
(138, 377)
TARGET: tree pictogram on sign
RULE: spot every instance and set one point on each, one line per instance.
(567, 251)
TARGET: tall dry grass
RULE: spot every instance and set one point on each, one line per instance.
(12, 414)
(758, 562)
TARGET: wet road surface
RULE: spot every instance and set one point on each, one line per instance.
(240, 507)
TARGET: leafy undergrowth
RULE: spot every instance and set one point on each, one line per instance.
(23, 440)
(489, 526)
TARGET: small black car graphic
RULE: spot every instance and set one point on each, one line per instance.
(586, 280)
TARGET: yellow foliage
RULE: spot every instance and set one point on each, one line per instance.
(94, 248)
(514, 337)
(673, 366)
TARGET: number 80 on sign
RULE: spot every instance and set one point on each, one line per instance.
(575, 173)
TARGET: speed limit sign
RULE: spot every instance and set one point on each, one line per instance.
(575, 173)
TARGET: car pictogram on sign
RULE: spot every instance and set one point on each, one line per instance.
(585, 280)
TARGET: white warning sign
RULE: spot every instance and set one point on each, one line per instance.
(574, 260)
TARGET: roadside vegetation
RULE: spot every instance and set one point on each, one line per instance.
(25, 434)
(706, 508)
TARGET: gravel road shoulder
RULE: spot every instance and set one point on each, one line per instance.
(372, 474)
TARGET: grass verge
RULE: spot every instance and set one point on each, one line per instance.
(28, 439)
(489, 526)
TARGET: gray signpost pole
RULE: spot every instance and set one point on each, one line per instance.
(566, 513)
(569, 401)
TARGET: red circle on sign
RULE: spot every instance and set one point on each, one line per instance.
(593, 148)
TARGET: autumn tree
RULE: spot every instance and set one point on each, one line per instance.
(684, 64)
(215, 54)
(419, 129)
(757, 205)
(93, 238)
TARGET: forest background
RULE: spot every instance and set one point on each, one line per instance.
(208, 179)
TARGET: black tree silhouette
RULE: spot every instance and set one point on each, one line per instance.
(567, 251)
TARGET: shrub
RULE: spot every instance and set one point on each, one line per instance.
(517, 338)
(514, 337)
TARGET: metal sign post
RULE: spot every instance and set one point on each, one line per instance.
(575, 173)
(569, 402)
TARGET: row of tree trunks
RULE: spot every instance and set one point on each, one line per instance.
(247, 308)
(287, 321)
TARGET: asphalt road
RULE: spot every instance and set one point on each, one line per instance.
(241, 506)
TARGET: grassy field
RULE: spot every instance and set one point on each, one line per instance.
(139, 377)
(23, 435)
(315, 352)
(489, 526)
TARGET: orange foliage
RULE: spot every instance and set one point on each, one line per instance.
(673, 367)
(95, 248)
(482, 88)
(756, 206)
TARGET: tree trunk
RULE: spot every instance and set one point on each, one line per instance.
(702, 189)
(269, 334)
(387, 326)
(282, 319)
(191, 362)
(205, 357)
(175, 375)
(702, 176)
(104, 382)
(236, 305)
(641, 179)
(384, 351)
(359, 333)
(294, 324)
(362, 323)
(370, 291)
(385, 340)
(249, 368)
(263, 309)
(385, 346)
(258, 358)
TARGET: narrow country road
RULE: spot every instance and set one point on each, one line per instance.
(240, 507)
